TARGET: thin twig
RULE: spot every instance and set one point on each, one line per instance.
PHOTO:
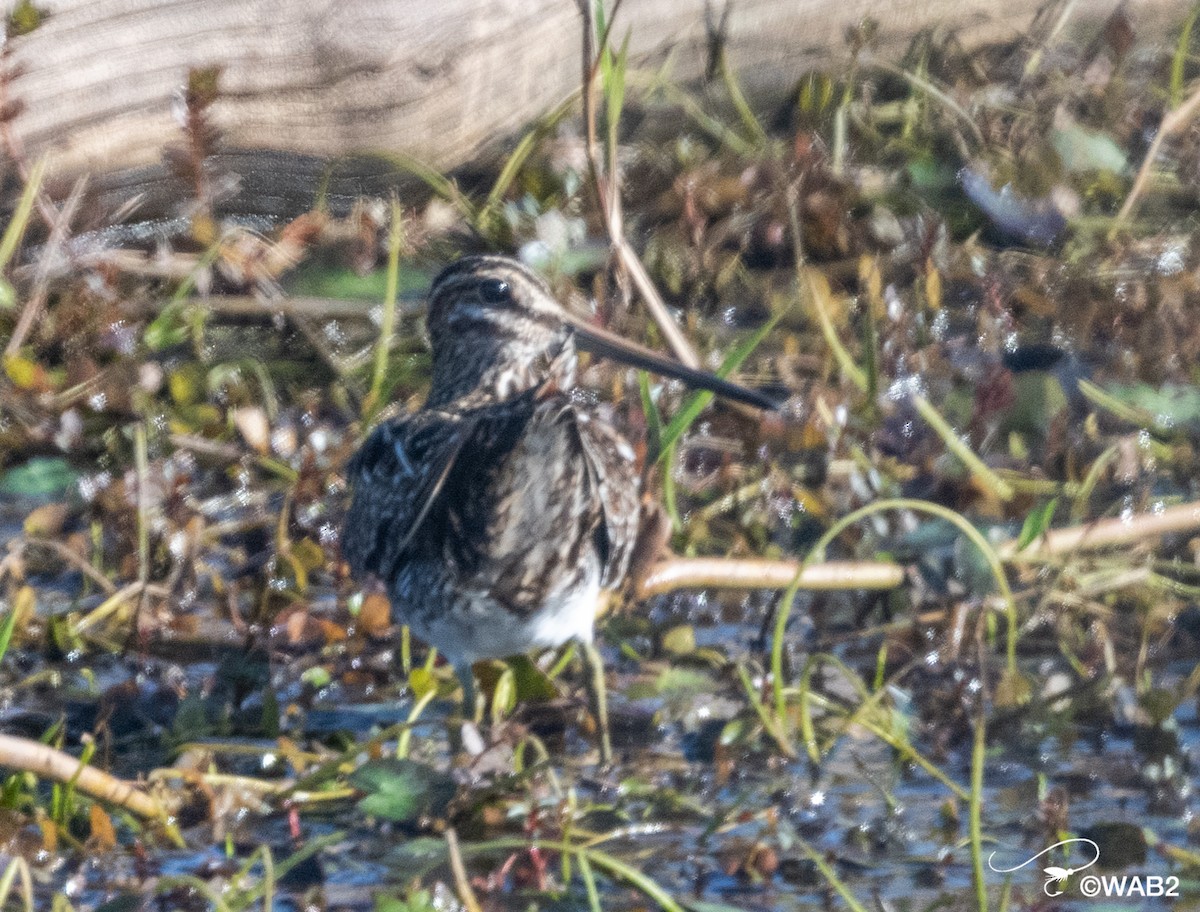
(654, 303)
(202, 445)
(50, 763)
(608, 193)
(462, 883)
(929, 87)
(723, 573)
(37, 300)
(1106, 533)
(1172, 122)
(75, 560)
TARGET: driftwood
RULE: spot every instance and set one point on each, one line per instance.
(436, 80)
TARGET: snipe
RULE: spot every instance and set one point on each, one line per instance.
(499, 511)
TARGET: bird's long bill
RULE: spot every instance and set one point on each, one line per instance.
(610, 345)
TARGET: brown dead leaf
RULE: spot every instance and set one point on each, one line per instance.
(104, 835)
(375, 615)
(331, 632)
(47, 520)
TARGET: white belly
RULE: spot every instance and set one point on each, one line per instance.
(488, 631)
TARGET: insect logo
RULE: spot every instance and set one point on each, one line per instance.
(1055, 876)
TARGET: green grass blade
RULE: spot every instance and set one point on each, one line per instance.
(519, 156)
(695, 405)
(614, 95)
(751, 123)
(387, 329)
(20, 219)
(830, 875)
(632, 876)
(982, 471)
(668, 489)
(975, 813)
(1037, 522)
(1179, 59)
(817, 553)
(653, 416)
(6, 630)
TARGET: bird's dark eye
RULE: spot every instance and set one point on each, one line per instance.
(495, 291)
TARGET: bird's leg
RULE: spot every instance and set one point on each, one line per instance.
(598, 697)
(470, 696)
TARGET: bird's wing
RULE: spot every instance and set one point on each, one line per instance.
(397, 477)
(616, 480)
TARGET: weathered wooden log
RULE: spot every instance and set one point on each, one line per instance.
(436, 80)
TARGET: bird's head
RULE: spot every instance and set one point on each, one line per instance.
(497, 331)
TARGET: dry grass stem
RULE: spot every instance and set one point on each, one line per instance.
(1172, 123)
(654, 303)
(77, 561)
(608, 194)
(259, 309)
(723, 573)
(462, 883)
(1106, 533)
(50, 253)
(50, 763)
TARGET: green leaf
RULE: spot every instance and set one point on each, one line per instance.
(416, 901)
(699, 905)
(532, 684)
(421, 681)
(1164, 408)
(1082, 149)
(1037, 522)
(679, 640)
(316, 677)
(321, 280)
(683, 684)
(414, 857)
(169, 328)
(402, 790)
(42, 476)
